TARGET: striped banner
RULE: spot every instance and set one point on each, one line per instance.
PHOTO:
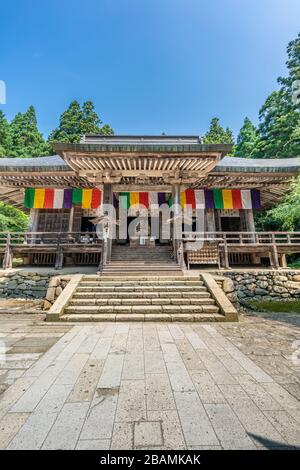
(62, 198)
(221, 198)
(40, 198)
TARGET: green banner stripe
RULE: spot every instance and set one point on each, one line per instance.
(125, 200)
(29, 198)
(77, 196)
(218, 199)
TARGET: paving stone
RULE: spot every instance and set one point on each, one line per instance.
(196, 426)
(122, 437)
(251, 417)
(159, 394)
(38, 389)
(286, 425)
(171, 428)
(100, 418)
(9, 426)
(207, 389)
(33, 433)
(71, 372)
(133, 368)
(102, 348)
(147, 434)
(154, 362)
(93, 444)
(66, 429)
(229, 430)
(85, 386)
(132, 401)
(112, 370)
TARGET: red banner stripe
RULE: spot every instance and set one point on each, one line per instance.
(49, 198)
(190, 198)
(144, 199)
(96, 198)
(236, 199)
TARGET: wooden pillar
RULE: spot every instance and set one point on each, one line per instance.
(70, 229)
(250, 224)
(33, 220)
(210, 220)
(108, 200)
(283, 261)
(176, 216)
(249, 220)
(8, 256)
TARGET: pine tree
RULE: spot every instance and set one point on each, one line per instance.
(279, 127)
(4, 136)
(217, 134)
(77, 121)
(25, 138)
(246, 140)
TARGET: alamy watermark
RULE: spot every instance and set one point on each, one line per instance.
(2, 92)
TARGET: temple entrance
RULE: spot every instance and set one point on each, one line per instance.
(230, 224)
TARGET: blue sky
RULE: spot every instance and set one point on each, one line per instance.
(150, 66)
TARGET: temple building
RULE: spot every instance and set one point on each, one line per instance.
(65, 196)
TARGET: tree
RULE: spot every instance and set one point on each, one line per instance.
(12, 219)
(279, 128)
(4, 135)
(217, 134)
(286, 215)
(25, 138)
(77, 121)
(246, 140)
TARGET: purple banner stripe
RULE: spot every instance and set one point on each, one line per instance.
(67, 204)
(209, 199)
(161, 198)
(255, 197)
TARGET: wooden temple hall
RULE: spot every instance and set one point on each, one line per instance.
(67, 196)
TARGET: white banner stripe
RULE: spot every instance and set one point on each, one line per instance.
(246, 199)
(58, 199)
(200, 200)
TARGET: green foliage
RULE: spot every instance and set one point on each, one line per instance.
(12, 219)
(4, 135)
(217, 134)
(246, 140)
(25, 138)
(286, 215)
(77, 121)
(278, 133)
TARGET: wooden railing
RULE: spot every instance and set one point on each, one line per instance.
(246, 238)
(55, 244)
(49, 238)
(256, 245)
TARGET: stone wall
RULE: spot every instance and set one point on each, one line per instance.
(31, 285)
(260, 285)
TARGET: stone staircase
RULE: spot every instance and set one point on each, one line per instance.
(141, 298)
(141, 260)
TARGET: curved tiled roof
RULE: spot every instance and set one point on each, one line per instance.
(53, 162)
(227, 164)
(258, 165)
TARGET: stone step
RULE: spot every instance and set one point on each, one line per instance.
(121, 274)
(148, 295)
(173, 269)
(97, 277)
(88, 310)
(154, 288)
(80, 302)
(196, 317)
(150, 282)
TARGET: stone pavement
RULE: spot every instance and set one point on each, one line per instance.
(148, 386)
